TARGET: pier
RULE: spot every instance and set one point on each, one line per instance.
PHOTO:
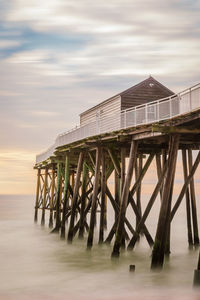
(73, 174)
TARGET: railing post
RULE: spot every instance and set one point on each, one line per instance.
(170, 107)
(146, 114)
(190, 97)
(158, 110)
(135, 117)
(125, 125)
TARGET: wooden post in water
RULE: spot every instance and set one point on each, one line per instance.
(83, 199)
(117, 189)
(138, 169)
(52, 197)
(94, 197)
(75, 197)
(44, 197)
(193, 201)
(58, 200)
(187, 195)
(164, 217)
(103, 197)
(124, 199)
(66, 196)
(37, 196)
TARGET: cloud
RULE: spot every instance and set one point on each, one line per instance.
(5, 44)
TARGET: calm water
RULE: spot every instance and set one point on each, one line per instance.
(38, 265)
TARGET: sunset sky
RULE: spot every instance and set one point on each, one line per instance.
(59, 57)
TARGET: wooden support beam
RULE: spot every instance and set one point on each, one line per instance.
(52, 197)
(123, 169)
(103, 197)
(58, 200)
(193, 201)
(184, 188)
(187, 196)
(117, 189)
(94, 197)
(159, 170)
(142, 174)
(148, 209)
(83, 199)
(143, 227)
(124, 200)
(66, 195)
(115, 161)
(75, 196)
(116, 208)
(37, 196)
(44, 197)
(138, 170)
(174, 129)
(164, 216)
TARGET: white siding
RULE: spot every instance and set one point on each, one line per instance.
(103, 110)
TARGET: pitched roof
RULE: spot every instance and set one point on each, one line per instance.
(149, 89)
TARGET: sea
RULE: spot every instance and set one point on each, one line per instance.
(35, 264)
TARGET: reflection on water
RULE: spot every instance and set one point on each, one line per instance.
(38, 265)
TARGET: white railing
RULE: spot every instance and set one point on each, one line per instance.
(151, 112)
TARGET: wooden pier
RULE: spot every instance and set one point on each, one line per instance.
(72, 184)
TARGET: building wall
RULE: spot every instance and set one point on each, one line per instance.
(104, 109)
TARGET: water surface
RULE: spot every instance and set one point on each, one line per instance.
(38, 265)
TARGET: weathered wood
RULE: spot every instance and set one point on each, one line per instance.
(66, 195)
(193, 201)
(83, 199)
(52, 198)
(116, 208)
(187, 195)
(75, 197)
(159, 170)
(123, 169)
(94, 197)
(138, 169)
(58, 200)
(44, 197)
(142, 174)
(138, 215)
(174, 129)
(117, 189)
(148, 209)
(122, 180)
(124, 199)
(164, 216)
(103, 197)
(115, 161)
(37, 196)
(184, 188)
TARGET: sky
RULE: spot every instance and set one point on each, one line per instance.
(60, 57)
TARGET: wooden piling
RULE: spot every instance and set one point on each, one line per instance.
(148, 209)
(184, 188)
(164, 216)
(83, 199)
(187, 195)
(66, 195)
(103, 196)
(75, 196)
(44, 197)
(58, 200)
(193, 201)
(51, 204)
(94, 198)
(124, 199)
(37, 196)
